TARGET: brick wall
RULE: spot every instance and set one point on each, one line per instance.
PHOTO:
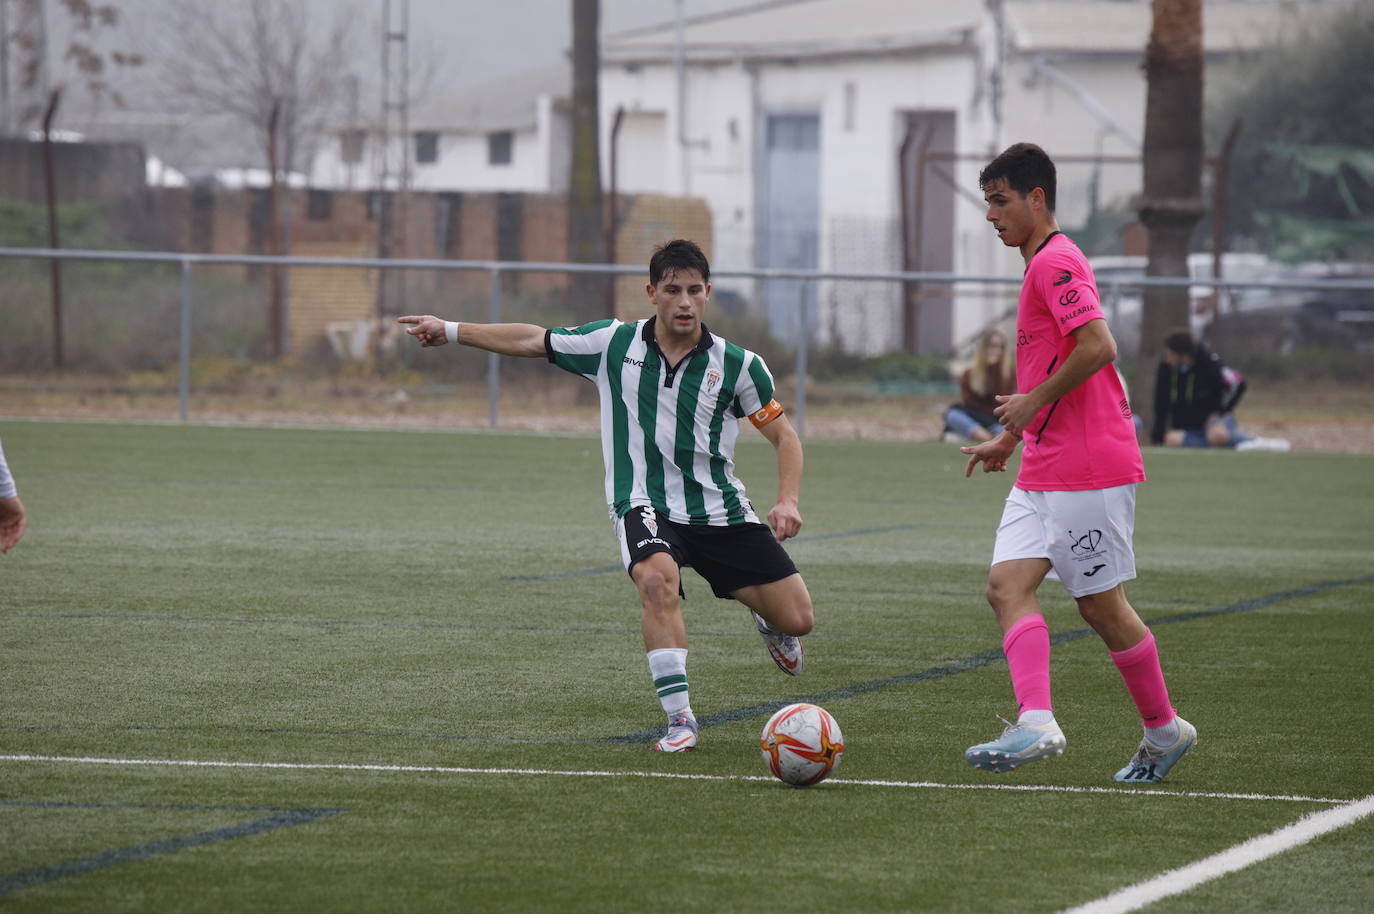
(454, 226)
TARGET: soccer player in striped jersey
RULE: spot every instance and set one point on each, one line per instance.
(1071, 511)
(672, 394)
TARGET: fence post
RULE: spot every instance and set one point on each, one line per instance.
(184, 357)
(494, 360)
(803, 347)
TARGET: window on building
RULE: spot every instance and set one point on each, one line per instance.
(426, 147)
(351, 146)
(500, 147)
(319, 204)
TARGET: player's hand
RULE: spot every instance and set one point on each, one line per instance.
(785, 520)
(1016, 412)
(992, 454)
(13, 521)
(428, 329)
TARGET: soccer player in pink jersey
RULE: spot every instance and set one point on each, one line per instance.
(1071, 513)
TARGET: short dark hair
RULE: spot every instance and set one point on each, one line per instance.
(678, 254)
(1024, 166)
(1181, 342)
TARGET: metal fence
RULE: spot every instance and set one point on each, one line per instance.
(499, 272)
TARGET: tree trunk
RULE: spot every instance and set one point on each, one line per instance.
(586, 238)
(1171, 204)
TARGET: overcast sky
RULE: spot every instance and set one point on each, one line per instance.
(463, 43)
(481, 40)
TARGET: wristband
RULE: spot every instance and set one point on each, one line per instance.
(451, 331)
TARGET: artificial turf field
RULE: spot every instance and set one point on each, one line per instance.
(331, 670)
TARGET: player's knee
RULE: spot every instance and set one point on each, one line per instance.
(658, 590)
(1103, 609)
(800, 620)
(999, 595)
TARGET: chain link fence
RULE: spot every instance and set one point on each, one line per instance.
(191, 336)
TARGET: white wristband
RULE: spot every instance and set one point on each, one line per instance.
(451, 331)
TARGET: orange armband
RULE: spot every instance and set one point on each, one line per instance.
(762, 417)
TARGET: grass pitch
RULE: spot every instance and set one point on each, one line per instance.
(343, 670)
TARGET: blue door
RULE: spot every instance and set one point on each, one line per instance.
(791, 212)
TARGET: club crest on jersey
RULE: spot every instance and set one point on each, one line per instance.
(712, 380)
(647, 515)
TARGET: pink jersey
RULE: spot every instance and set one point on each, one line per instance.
(1086, 439)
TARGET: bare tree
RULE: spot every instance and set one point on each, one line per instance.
(242, 59)
(1172, 201)
(278, 77)
(586, 221)
(83, 29)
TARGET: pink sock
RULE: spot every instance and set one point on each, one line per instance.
(1027, 646)
(1139, 667)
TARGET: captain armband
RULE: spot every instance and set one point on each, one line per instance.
(761, 417)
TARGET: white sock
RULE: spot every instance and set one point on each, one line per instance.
(1036, 716)
(668, 667)
(1163, 736)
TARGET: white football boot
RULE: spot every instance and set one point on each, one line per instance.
(786, 650)
(681, 735)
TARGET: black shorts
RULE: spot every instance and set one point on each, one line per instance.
(729, 558)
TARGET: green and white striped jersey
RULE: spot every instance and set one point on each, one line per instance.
(668, 432)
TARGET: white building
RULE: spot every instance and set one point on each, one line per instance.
(847, 136)
(511, 135)
(843, 136)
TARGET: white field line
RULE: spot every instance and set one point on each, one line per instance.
(437, 769)
(1239, 856)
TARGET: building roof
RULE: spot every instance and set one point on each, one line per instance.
(803, 28)
(510, 103)
(1123, 26)
(815, 28)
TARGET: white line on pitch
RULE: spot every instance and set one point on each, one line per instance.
(1239, 856)
(437, 769)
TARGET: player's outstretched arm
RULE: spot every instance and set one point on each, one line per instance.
(524, 340)
(785, 516)
(13, 521)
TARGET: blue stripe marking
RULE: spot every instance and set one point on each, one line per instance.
(283, 818)
(587, 572)
(982, 659)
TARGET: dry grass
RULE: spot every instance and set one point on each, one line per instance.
(1315, 416)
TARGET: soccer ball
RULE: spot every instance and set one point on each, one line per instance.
(802, 744)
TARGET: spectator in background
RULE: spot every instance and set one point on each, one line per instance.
(990, 374)
(13, 517)
(1195, 399)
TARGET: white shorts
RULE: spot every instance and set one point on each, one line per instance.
(1086, 535)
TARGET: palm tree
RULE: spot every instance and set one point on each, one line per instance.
(1172, 201)
(586, 230)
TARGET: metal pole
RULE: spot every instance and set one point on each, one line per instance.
(803, 347)
(494, 360)
(184, 373)
(50, 188)
(680, 77)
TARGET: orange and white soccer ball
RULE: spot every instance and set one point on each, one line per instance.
(802, 744)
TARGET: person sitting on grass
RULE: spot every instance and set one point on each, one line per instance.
(1195, 399)
(990, 374)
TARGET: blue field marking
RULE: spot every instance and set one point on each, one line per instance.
(279, 818)
(588, 572)
(983, 659)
